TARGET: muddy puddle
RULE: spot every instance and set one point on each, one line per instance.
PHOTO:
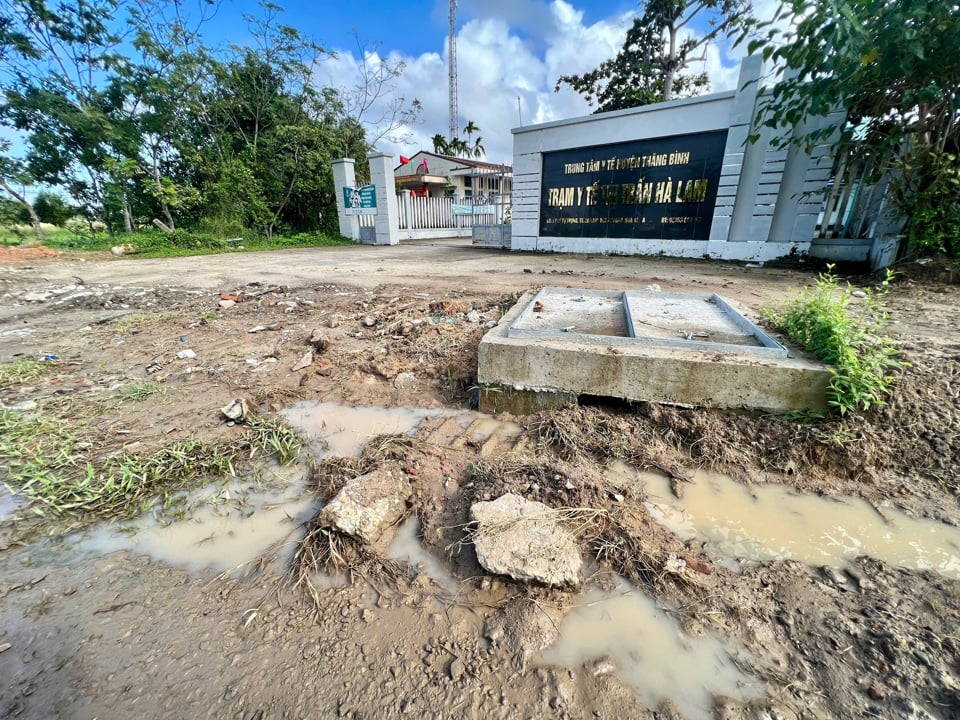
(406, 547)
(774, 522)
(233, 525)
(649, 651)
(229, 528)
(9, 503)
(334, 429)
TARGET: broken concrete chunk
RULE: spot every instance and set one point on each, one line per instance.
(320, 340)
(527, 541)
(186, 355)
(368, 506)
(406, 381)
(261, 328)
(237, 410)
(304, 362)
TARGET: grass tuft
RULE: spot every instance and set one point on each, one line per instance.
(139, 391)
(850, 337)
(22, 372)
(46, 465)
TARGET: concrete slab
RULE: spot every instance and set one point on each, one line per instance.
(685, 348)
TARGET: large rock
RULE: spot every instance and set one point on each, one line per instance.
(368, 506)
(526, 541)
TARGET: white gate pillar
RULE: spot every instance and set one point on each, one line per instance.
(344, 177)
(407, 211)
(388, 213)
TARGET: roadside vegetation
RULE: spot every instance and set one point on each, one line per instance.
(58, 473)
(155, 243)
(844, 327)
(127, 120)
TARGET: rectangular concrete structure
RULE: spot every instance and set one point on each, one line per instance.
(689, 349)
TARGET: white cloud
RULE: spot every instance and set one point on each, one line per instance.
(509, 52)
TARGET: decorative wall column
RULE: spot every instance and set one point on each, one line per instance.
(344, 177)
(388, 213)
(741, 160)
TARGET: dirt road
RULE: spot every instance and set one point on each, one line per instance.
(154, 624)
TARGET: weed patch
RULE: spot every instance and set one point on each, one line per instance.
(22, 372)
(46, 465)
(139, 391)
(850, 337)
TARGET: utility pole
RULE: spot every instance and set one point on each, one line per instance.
(452, 56)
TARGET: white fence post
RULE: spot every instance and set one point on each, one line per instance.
(406, 216)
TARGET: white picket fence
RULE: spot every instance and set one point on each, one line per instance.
(432, 217)
(436, 213)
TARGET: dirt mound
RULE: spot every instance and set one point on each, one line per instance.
(22, 255)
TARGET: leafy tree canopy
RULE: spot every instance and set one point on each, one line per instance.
(886, 77)
(654, 63)
(124, 107)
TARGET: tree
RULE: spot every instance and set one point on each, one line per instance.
(13, 171)
(473, 149)
(478, 149)
(440, 144)
(373, 102)
(51, 208)
(123, 106)
(56, 61)
(884, 78)
(660, 46)
(266, 135)
(457, 147)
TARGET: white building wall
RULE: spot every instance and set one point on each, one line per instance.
(760, 213)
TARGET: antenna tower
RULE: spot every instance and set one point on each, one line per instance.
(452, 55)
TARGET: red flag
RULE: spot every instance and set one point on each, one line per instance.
(404, 160)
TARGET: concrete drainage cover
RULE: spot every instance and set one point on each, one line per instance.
(685, 348)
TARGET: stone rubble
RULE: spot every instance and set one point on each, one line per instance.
(367, 506)
(526, 541)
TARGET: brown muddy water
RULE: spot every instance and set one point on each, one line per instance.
(235, 524)
(407, 548)
(232, 525)
(650, 652)
(775, 522)
(238, 523)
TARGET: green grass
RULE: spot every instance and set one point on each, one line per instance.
(848, 334)
(45, 464)
(139, 391)
(138, 321)
(22, 372)
(153, 243)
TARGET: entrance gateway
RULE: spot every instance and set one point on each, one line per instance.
(694, 177)
(681, 348)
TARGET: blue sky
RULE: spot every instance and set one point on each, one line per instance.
(509, 52)
(413, 27)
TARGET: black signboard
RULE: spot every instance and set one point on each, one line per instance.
(662, 188)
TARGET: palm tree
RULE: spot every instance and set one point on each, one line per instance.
(478, 149)
(458, 147)
(440, 145)
(470, 129)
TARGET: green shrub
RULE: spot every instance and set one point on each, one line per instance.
(935, 210)
(848, 337)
